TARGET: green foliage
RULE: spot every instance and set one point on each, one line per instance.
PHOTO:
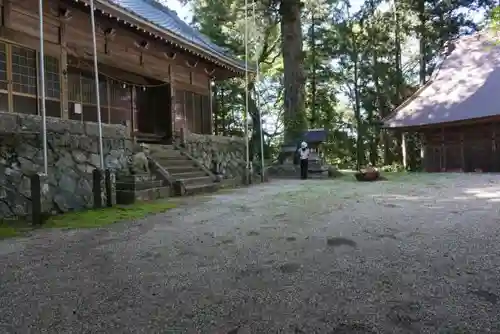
(394, 168)
(360, 64)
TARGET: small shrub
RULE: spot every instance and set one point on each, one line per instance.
(394, 168)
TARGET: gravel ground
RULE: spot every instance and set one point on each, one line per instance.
(419, 254)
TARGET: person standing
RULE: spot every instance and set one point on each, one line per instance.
(304, 160)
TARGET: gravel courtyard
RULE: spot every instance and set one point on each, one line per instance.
(417, 254)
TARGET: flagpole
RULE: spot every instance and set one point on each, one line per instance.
(247, 168)
(257, 78)
(42, 92)
(96, 79)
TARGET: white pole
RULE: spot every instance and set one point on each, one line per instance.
(96, 79)
(257, 79)
(247, 168)
(42, 84)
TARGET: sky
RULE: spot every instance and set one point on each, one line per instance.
(182, 11)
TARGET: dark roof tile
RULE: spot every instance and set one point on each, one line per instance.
(315, 135)
(466, 86)
(166, 19)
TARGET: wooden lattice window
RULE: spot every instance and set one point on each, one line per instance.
(25, 82)
(198, 114)
(189, 111)
(3, 67)
(24, 78)
(82, 99)
(4, 93)
(52, 78)
(454, 157)
(52, 86)
(179, 110)
(207, 117)
(120, 102)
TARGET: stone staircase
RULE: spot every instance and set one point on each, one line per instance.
(188, 176)
(141, 187)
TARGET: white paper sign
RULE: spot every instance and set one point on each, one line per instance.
(78, 109)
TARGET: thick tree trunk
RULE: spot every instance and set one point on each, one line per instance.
(293, 62)
(314, 120)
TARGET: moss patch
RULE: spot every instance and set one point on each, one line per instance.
(87, 219)
(107, 216)
(14, 228)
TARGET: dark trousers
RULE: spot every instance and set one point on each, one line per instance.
(304, 165)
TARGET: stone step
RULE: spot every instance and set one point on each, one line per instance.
(162, 147)
(182, 169)
(166, 163)
(137, 178)
(203, 188)
(138, 185)
(197, 180)
(151, 194)
(188, 174)
(167, 157)
(168, 154)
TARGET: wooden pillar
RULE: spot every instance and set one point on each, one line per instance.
(173, 99)
(403, 150)
(64, 70)
(423, 157)
(134, 127)
(462, 151)
(443, 152)
(493, 160)
(7, 9)
(172, 102)
(6, 18)
(210, 108)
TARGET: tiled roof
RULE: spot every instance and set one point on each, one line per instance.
(466, 86)
(167, 20)
(314, 135)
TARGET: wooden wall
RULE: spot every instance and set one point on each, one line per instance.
(466, 148)
(123, 54)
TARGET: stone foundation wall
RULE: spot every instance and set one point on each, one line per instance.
(221, 155)
(73, 153)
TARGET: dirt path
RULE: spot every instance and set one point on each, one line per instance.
(421, 255)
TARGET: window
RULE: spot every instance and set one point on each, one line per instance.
(120, 102)
(189, 111)
(52, 78)
(82, 98)
(207, 116)
(24, 79)
(3, 67)
(4, 93)
(179, 110)
(197, 112)
(24, 88)
(52, 87)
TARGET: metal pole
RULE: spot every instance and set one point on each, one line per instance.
(257, 78)
(96, 79)
(42, 95)
(247, 168)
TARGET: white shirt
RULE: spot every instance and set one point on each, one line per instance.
(304, 154)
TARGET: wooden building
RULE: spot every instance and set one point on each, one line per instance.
(457, 113)
(155, 70)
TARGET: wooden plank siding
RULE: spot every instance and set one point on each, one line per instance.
(462, 148)
(125, 56)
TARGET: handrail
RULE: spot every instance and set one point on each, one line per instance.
(160, 170)
(196, 162)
